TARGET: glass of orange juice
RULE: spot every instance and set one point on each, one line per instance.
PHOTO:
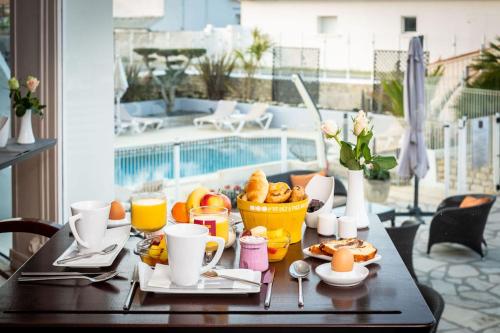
(149, 212)
(216, 219)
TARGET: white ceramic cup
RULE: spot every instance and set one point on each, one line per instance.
(186, 245)
(327, 224)
(347, 227)
(89, 222)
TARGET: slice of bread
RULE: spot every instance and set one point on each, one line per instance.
(362, 250)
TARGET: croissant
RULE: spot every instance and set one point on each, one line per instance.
(257, 187)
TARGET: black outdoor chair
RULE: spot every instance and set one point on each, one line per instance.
(403, 238)
(464, 226)
(27, 225)
(340, 192)
(434, 301)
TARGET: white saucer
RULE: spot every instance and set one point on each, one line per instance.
(119, 223)
(342, 279)
(117, 236)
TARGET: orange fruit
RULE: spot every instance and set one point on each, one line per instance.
(116, 212)
(179, 212)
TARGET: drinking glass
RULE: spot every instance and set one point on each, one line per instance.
(149, 212)
(216, 219)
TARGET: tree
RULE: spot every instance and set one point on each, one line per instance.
(176, 62)
(487, 68)
(250, 59)
(215, 71)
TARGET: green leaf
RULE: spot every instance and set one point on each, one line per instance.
(366, 153)
(384, 162)
(363, 139)
(20, 110)
(347, 157)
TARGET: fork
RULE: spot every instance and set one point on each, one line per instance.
(100, 278)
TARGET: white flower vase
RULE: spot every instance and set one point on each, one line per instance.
(355, 207)
(26, 130)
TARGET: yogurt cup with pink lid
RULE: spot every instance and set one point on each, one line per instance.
(253, 253)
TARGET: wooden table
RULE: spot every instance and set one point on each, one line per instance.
(14, 152)
(388, 300)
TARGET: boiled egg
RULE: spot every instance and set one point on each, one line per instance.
(116, 212)
(343, 260)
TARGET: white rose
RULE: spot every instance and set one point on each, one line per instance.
(330, 129)
(360, 123)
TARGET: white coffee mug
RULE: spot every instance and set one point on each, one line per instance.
(327, 224)
(347, 227)
(89, 222)
(186, 245)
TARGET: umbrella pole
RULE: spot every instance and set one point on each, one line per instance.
(415, 210)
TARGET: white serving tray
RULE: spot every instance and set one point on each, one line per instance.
(145, 273)
(308, 253)
(118, 235)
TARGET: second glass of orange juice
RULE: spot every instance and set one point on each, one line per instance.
(149, 212)
(215, 219)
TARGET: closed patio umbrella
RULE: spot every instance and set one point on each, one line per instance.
(413, 159)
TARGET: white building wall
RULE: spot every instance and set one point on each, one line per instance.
(449, 27)
(87, 92)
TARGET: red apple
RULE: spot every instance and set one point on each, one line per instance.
(227, 202)
(212, 199)
(216, 200)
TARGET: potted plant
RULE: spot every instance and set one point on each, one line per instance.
(377, 184)
(357, 158)
(24, 106)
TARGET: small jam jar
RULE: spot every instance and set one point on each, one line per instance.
(253, 253)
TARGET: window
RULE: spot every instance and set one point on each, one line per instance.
(409, 24)
(327, 24)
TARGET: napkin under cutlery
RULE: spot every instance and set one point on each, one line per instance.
(160, 279)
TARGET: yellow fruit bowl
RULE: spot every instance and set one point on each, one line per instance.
(288, 215)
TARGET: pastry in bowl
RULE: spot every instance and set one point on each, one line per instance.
(278, 193)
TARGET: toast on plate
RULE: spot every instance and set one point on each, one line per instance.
(362, 250)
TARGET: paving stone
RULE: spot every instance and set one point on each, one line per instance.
(479, 283)
(454, 280)
(464, 302)
(473, 320)
(481, 296)
(437, 275)
(444, 287)
(491, 270)
(494, 278)
(427, 264)
(463, 288)
(492, 330)
(461, 271)
(492, 311)
(496, 290)
(446, 325)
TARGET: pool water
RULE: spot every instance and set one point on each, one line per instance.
(136, 165)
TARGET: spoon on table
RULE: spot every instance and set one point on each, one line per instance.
(100, 278)
(300, 269)
(106, 250)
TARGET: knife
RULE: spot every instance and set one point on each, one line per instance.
(59, 273)
(268, 279)
(133, 286)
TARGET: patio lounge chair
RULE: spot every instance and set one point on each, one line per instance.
(257, 114)
(142, 122)
(460, 225)
(224, 109)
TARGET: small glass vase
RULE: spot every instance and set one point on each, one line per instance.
(26, 136)
(355, 207)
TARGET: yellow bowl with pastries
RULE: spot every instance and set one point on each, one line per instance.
(288, 215)
(273, 205)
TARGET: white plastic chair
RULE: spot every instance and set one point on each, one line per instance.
(142, 122)
(257, 114)
(224, 109)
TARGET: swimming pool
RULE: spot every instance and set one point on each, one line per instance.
(136, 165)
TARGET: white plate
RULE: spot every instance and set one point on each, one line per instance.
(146, 272)
(119, 223)
(342, 279)
(308, 253)
(117, 236)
